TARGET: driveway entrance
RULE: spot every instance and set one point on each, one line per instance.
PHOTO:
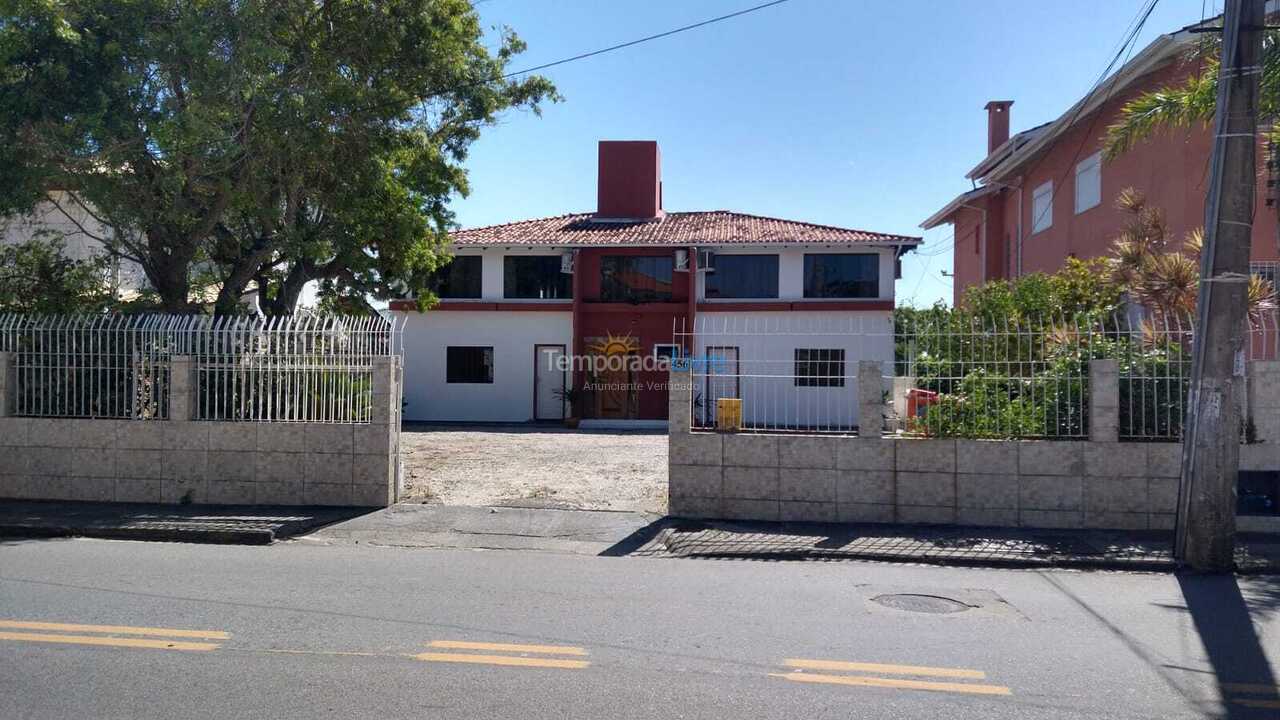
(535, 466)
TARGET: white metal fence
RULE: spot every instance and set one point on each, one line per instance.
(302, 368)
(946, 374)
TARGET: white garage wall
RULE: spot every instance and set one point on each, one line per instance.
(767, 342)
(512, 336)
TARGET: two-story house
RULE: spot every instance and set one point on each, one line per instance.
(618, 282)
(1047, 193)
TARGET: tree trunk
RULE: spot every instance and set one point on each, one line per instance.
(169, 274)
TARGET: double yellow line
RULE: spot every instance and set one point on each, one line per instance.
(109, 635)
(519, 656)
(952, 674)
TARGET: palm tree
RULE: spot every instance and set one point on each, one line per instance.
(1145, 264)
(1195, 100)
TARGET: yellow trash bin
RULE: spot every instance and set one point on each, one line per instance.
(729, 414)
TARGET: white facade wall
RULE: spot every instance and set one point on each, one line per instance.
(512, 335)
(62, 218)
(766, 344)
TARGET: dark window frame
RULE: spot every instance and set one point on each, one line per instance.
(663, 270)
(724, 262)
(817, 286)
(547, 284)
(467, 371)
(819, 367)
(447, 276)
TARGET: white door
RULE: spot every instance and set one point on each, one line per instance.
(548, 380)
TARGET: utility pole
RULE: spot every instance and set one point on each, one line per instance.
(1206, 525)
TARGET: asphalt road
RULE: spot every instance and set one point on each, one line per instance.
(110, 629)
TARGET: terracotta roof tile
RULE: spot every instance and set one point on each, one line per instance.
(715, 227)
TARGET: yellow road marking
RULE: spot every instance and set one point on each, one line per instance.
(115, 629)
(895, 683)
(500, 647)
(1252, 688)
(503, 660)
(884, 669)
(1258, 703)
(108, 641)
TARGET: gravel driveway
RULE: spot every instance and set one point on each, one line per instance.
(535, 466)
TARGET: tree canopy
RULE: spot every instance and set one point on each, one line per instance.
(38, 277)
(1192, 100)
(229, 144)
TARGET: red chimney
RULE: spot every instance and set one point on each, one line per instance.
(997, 123)
(629, 183)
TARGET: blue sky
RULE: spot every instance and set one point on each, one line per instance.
(853, 113)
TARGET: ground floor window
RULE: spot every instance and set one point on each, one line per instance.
(468, 364)
(819, 367)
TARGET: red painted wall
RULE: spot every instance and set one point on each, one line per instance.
(1171, 169)
(649, 323)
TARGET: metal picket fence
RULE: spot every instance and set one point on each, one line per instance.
(90, 367)
(305, 368)
(301, 368)
(947, 373)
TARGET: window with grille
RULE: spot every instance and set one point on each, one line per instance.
(819, 367)
(469, 364)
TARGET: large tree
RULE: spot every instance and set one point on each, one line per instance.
(254, 142)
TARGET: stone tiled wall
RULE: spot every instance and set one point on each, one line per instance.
(1098, 483)
(180, 461)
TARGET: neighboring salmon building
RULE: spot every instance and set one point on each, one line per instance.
(518, 296)
(1045, 194)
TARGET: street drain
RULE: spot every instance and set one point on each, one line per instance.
(931, 604)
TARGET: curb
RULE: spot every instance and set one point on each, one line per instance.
(1160, 566)
(209, 536)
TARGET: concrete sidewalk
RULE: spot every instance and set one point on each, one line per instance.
(221, 524)
(583, 532)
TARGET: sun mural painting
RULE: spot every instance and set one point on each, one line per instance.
(615, 393)
(615, 345)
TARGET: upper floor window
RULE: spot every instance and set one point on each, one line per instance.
(842, 275)
(636, 278)
(460, 279)
(1042, 207)
(1089, 182)
(535, 277)
(743, 276)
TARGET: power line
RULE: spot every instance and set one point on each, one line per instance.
(667, 33)
(1125, 49)
(515, 73)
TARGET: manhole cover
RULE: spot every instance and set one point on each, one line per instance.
(933, 604)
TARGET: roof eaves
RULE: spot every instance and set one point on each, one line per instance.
(943, 215)
(1007, 148)
(1159, 51)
